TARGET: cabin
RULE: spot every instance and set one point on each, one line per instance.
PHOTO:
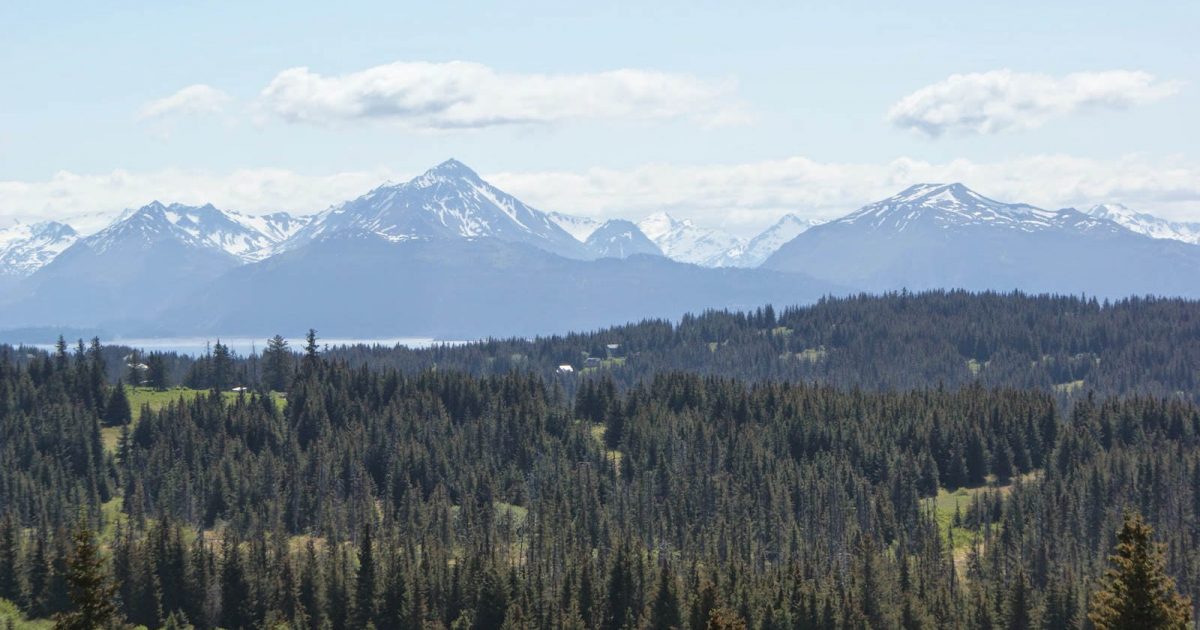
(565, 369)
(592, 362)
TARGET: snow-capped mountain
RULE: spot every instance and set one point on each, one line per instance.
(449, 201)
(685, 241)
(759, 248)
(948, 236)
(245, 237)
(130, 269)
(618, 238)
(947, 206)
(579, 227)
(27, 247)
(1147, 224)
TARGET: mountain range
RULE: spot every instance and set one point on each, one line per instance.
(447, 254)
(946, 235)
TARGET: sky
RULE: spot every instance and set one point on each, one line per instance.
(731, 114)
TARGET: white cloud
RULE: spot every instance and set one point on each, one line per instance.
(192, 100)
(1002, 100)
(459, 94)
(742, 198)
(91, 199)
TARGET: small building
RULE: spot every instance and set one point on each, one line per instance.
(565, 369)
(591, 362)
(239, 389)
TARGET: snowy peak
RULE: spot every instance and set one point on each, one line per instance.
(27, 247)
(948, 206)
(245, 237)
(1146, 224)
(618, 238)
(449, 201)
(660, 224)
(686, 242)
(140, 229)
(771, 239)
(449, 170)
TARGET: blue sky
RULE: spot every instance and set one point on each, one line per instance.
(731, 114)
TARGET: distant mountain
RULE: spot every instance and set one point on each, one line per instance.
(755, 252)
(447, 202)
(684, 241)
(1147, 224)
(27, 247)
(128, 271)
(579, 227)
(246, 237)
(367, 285)
(948, 236)
(618, 238)
(447, 254)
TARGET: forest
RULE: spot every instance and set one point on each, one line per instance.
(938, 460)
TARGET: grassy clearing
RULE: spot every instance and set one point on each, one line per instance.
(141, 398)
(1067, 388)
(612, 455)
(947, 503)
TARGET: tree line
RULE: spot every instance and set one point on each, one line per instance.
(440, 498)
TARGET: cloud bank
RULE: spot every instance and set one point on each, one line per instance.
(742, 198)
(464, 95)
(1003, 100)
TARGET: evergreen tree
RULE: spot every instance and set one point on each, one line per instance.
(93, 603)
(664, 611)
(1017, 616)
(156, 371)
(222, 367)
(276, 364)
(491, 608)
(311, 350)
(621, 593)
(364, 587)
(237, 610)
(118, 412)
(136, 371)
(1136, 592)
(10, 559)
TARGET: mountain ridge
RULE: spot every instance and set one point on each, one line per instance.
(948, 236)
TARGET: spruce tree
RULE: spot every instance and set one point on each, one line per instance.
(93, 603)
(10, 554)
(364, 588)
(492, 605)
(236, 605)
(276, 363)
(156, 371)
(118, 412)
(1136, 592)
(664, 611)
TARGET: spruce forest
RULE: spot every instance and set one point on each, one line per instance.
(930, 460)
